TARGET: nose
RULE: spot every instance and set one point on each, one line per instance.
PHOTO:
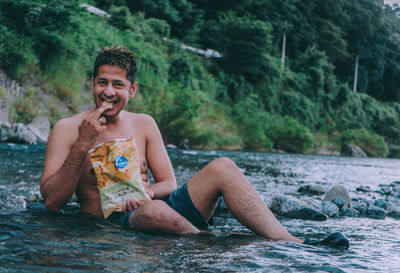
(109, 91)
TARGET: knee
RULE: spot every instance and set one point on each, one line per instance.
(150, 212)
(223, 165)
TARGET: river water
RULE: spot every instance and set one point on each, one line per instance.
(32, 240)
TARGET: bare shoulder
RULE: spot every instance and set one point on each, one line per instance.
(66, 129)
(143, 120)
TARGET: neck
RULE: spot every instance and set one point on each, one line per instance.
(114, 120)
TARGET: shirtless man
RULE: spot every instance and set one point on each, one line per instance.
(184, 210)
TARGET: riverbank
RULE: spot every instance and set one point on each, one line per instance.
(27, 111)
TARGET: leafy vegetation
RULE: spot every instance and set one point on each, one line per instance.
(247, 98)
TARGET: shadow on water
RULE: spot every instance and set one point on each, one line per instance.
(33, 240)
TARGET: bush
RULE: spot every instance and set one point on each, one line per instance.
(372, 144)
(251, 120)
(289, 135)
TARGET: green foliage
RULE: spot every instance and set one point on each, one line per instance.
(372, 144)
(288, 134)
(225, 102)
(24, 109)
(251, 120)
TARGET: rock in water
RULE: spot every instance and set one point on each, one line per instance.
(40, 127)
(312, 189)
(10, 201)
(338, 201)
(394, 214)
(330, 209)
(350, 212)
(307, 214)
(381, 203)
(353, 150)
(375, 213)
(282, 205)
(338, 191)
(360, 206)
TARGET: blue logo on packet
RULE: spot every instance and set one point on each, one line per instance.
(121, 162)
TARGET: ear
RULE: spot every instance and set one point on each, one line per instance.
(132, 92)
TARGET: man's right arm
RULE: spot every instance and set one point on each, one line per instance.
(67, 149)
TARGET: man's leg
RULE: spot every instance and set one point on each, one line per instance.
(157, 216)
(222, 177)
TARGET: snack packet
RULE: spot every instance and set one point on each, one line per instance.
(117, 168)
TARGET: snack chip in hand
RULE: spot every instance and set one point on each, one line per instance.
(117, 168)
(107, 104)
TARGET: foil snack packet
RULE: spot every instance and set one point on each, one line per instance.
(117, 168)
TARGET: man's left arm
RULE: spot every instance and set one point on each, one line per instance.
(158, 161)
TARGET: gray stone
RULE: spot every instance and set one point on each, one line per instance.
(184, 144)
(350, 212)
(10, 201)
(338, 191)
(307, 214)
(360, 206)
(312, 189)
(20, 133)
(352, 150)
(171, 146)
(363, 189)
(375, 212)
(13, 89)
(221, 206)
(36, 132)
(338, 201)
(282, 205)
(3, 110)
(394, 214)
(330, 209)
(381, 203)
(40, 127)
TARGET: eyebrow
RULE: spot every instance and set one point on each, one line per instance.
(114, 81)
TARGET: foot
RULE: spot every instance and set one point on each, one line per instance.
(335, 240)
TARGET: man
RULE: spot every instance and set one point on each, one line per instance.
(185, 210)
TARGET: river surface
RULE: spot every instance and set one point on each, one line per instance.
(32, 240)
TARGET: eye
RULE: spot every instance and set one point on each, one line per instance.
(101, 82)
(118, 85)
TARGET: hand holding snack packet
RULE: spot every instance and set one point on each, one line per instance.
(117, 168)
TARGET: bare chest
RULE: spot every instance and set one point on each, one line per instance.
(88, 178)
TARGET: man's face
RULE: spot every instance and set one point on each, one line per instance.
(112, 85)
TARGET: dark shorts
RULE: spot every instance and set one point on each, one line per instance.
(180, 201)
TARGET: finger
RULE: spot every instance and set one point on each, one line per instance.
(124, 208)
(129, 206)
(97, 112)
(102, 120)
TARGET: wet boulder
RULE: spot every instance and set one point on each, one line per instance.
(10, 201)
(330, 209)
(375, 212)
(283, 205)
(312, 189)
(385, 190)
(338, 191)
(307, 213)
(339, 202)
(352, 150)
(350, 212)
(393, 210)
(395, 186)
(381, 203)
(360, 206)
(395, 214)
(363, 189)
